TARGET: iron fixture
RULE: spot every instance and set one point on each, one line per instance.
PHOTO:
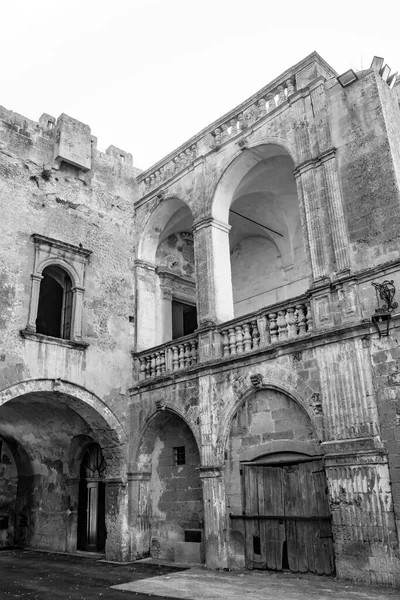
(347, 78)
(384, 291)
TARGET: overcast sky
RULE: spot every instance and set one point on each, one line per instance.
(148, 74)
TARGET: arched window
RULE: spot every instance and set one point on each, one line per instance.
(54, 312)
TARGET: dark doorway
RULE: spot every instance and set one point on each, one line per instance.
(287, 517)
(91, 506)
(55, 304)
(184, 319)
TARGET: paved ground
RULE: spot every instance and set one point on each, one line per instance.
(40, 576)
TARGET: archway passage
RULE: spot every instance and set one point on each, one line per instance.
(276, 488)
(47, 435)
(91, 504)
(174, 514)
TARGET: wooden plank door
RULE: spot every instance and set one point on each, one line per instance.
(287, 517)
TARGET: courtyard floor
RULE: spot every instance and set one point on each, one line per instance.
(30, 575)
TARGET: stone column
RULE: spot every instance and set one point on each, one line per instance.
(117, 542)
(34, 302)
(213, 271)
(336, 213)
(138, 515)
(146, 328)
(77, 307)
(214, 516)
(166, 308)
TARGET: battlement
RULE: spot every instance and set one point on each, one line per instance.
(72, 140)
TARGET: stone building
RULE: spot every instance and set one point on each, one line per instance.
(192, 365)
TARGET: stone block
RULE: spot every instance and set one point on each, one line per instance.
(189, 552)
(73, 143)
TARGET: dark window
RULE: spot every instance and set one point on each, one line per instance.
(192, 535)
(55, 304)
(179, 455)
(184, 319)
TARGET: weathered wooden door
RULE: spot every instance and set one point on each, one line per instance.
(287, 517)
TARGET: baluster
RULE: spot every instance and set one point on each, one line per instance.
(282, 325)
(187, 354)
(188, 155)
(290, 87)
(262, 108)
(157, 177)
(142, 368)
(225, 133)
(232, 341)
(162, 362)
(152, 180)
(225, 343)
(233, 123)
(158, 364)
(175, 358)
(177, 163)
(153, 365)
(255, 335)
(147, 181)
(281, 92)
(217, 135)
(291, 323)
(271, 101)
(309, 319)
(182, 159)
(273, 327)
(181, 356)
(301, 319)
(242, 122)
(239, 339)
(194, 151)
(193, 351)
(148, 366)
(246, 337)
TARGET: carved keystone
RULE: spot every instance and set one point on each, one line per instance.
(160, 404)
(256, 380)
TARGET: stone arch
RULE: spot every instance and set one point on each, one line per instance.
(68, 389)
(155, 223)
(300, 396)
(63, 264)
(165, 407)
(229, 179)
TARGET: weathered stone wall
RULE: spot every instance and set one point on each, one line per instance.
(8, 495)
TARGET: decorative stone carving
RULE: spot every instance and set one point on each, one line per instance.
(256, 380)
(316, 403)
(160, 405)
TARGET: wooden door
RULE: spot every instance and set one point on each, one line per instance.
(287, 517)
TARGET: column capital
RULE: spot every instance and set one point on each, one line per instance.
(37, 276)
(142, 264)
(78, 289)
(204, 222)
(210, 471)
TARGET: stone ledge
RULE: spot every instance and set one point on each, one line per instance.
(47, 339)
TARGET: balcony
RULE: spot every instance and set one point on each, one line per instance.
(265, 328)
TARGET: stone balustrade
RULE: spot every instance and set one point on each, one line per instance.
(172, 356)
(229, 126)
(269, 326)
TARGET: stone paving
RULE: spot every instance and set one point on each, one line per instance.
(30, 575)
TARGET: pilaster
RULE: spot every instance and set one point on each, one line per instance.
(214, 516)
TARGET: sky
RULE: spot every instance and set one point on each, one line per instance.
(146, 75)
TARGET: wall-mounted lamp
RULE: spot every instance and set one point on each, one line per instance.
(347, 78)
(384, 291)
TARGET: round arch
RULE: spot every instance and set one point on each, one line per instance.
(156, 223)
(66, 266)
(70, 390)
(239, 165)
(268, 384)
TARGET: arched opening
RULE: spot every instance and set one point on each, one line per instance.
(39, 429)
(173, 515)
(54, 312)
(8, 494)
(167, 302)
(257, 195)
(276, 488)
(91, 503)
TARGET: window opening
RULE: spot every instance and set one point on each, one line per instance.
(184, 319)
(55, 304)
(179, 455)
